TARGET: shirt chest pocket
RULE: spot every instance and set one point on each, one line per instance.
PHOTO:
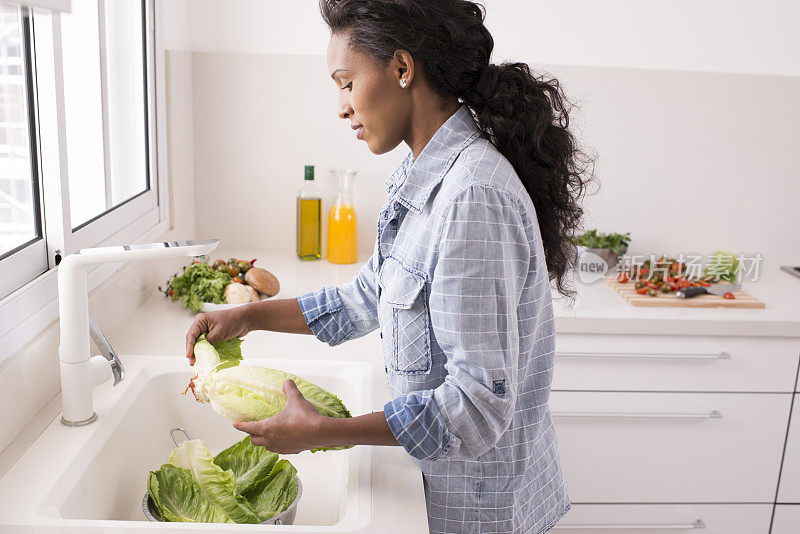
(404, 319)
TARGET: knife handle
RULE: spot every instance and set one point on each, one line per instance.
(691, 291)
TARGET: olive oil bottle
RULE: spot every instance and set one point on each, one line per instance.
(309, 218)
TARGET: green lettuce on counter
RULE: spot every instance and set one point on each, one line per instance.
(197, 284)
(242, 484)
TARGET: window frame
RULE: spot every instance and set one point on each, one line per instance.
(28, 260)
(30, 309)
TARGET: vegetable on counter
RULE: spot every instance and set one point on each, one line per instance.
(667, 275)
(248, 392)
(723, 265)
(197, 284)
(223, 282)
(616, 242)
(242, 484)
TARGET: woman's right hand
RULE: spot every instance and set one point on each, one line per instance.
(218, 326)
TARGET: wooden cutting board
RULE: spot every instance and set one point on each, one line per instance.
(628, 292)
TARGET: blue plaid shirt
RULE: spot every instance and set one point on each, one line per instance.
(458, 285)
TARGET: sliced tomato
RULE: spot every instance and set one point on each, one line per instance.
(728, 295)
(642, 290)
(622, 277)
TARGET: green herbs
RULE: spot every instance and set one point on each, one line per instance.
(615, 242)
(197, 284)
(242, 484)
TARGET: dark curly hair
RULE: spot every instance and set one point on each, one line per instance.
(524, 115)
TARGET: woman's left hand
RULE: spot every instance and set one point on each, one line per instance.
(292, 430)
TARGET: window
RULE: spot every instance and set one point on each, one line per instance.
(104, 104)
(22, 247)
(77, 143)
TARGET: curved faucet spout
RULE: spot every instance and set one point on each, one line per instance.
(80, 373)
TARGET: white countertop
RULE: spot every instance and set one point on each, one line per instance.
(597, 308)
(600, 310)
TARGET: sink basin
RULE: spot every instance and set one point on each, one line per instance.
(92, 479)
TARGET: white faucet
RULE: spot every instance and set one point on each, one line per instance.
(80, 373)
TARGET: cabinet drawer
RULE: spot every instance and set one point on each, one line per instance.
(675, 363)
(663, 518)
(786, 520)
(670, 447)
(789, 491)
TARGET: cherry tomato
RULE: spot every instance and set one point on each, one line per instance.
(171, 292)
(244, 266)
(233, 269)
(237, 279)
(219, 263)
(642, 290)
(728, 295)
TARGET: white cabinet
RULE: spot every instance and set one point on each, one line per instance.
(670, 447)
(675, 363)
(663, 518)
(789, 491)
(662, 433)
(786, 519)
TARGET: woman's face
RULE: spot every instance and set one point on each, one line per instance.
(370, 95)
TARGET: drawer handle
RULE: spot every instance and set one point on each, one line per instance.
(645, 356)
(690, 526)
(713, 414)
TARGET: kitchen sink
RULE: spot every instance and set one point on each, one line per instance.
(93, 478)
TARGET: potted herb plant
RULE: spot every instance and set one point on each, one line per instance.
(608, 246)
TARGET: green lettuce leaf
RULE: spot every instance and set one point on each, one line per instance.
(275, 493)
(723, 265)
(200, 283)
(217, 485)
(249, 463)
(178, 497)
(217, 356)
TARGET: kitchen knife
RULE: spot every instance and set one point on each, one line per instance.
(714, 289)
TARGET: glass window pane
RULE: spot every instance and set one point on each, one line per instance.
(83, 111)
(18, 210)
(102, 44)
(125, 95)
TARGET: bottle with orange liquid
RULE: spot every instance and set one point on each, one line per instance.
(342, 233)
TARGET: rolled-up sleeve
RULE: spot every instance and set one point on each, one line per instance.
(482, 266)
(338, 313)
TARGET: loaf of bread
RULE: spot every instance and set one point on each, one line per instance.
(263, 281)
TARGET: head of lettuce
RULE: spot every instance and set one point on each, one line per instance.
(248, 392)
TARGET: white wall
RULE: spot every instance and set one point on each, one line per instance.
(757, 37)
(688, 162)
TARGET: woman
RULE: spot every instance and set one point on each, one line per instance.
(476, 225)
